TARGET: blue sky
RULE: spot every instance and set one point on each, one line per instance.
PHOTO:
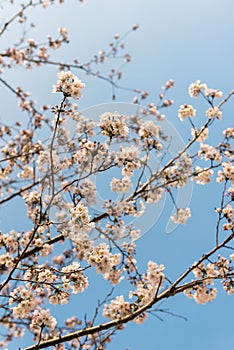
(181, 40)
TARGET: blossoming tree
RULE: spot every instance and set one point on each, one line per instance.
(52, 171)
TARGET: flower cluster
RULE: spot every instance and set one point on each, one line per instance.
(117, 308)
(119, 208)
(177, 175)
(203, 134)
(202, 292)
(228, 213)
(128, 158)
(197, 88)
(82, 244)
(69, 85)
(73, 278)
(121, 231)
(11, 241)
(91, 156)
(101, 258)
(202, 176)
(149, 129)
(86, 190)
(145, 292)
(41, 275)
(214, 112)
(181, 216)
(6, 262)
(153, 194)
(80, 219)
(33, 202)
(59, 297)
(113, 124)
(186, 111)
(227, 173)
(121, 185)
(84, 125)
(149, 284)
(229, 133)
(44, 161)
(27, 173)
(209, 153)
(42, 318)
(26, 302)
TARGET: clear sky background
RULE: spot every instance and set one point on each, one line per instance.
(178, 39)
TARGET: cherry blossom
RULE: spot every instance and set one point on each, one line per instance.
(77, 232)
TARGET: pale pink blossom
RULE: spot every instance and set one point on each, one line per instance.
(121, 185)
(203, 134)
(196, 88)
(113, 124)
(42, 317)
(214, 112)
(202, 176)
(149, 129)
(69, 85)
(186, 111)
(227, 173)
(181, 216)
(209, 153)
(117, 308)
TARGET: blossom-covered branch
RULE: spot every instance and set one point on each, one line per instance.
(85, 183)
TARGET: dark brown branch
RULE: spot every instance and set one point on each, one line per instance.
(17, 14)
(19, 192)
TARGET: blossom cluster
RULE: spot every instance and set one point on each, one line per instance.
(117, 309)
(177, 175)
(113, 124)
(145, 292)
(80, 219)
(73, 278)
(181, 215)
(203, 292)
(228, 214)
(214, 112)
(153, 194)
(91, 156)
(43, 318)
(69, 85)
(200, 135)
(26, 302)
(101, 258)
(227, 173)
(84, 125)
(124, 207)
(198, 88)
(209, 152)
(229, 133)
(150, 283)
(202, 176)
(186, 111)
(121, 185)
(33, 202)
(128, 157)
(86, 190)
(55, 181)
(149, 129)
